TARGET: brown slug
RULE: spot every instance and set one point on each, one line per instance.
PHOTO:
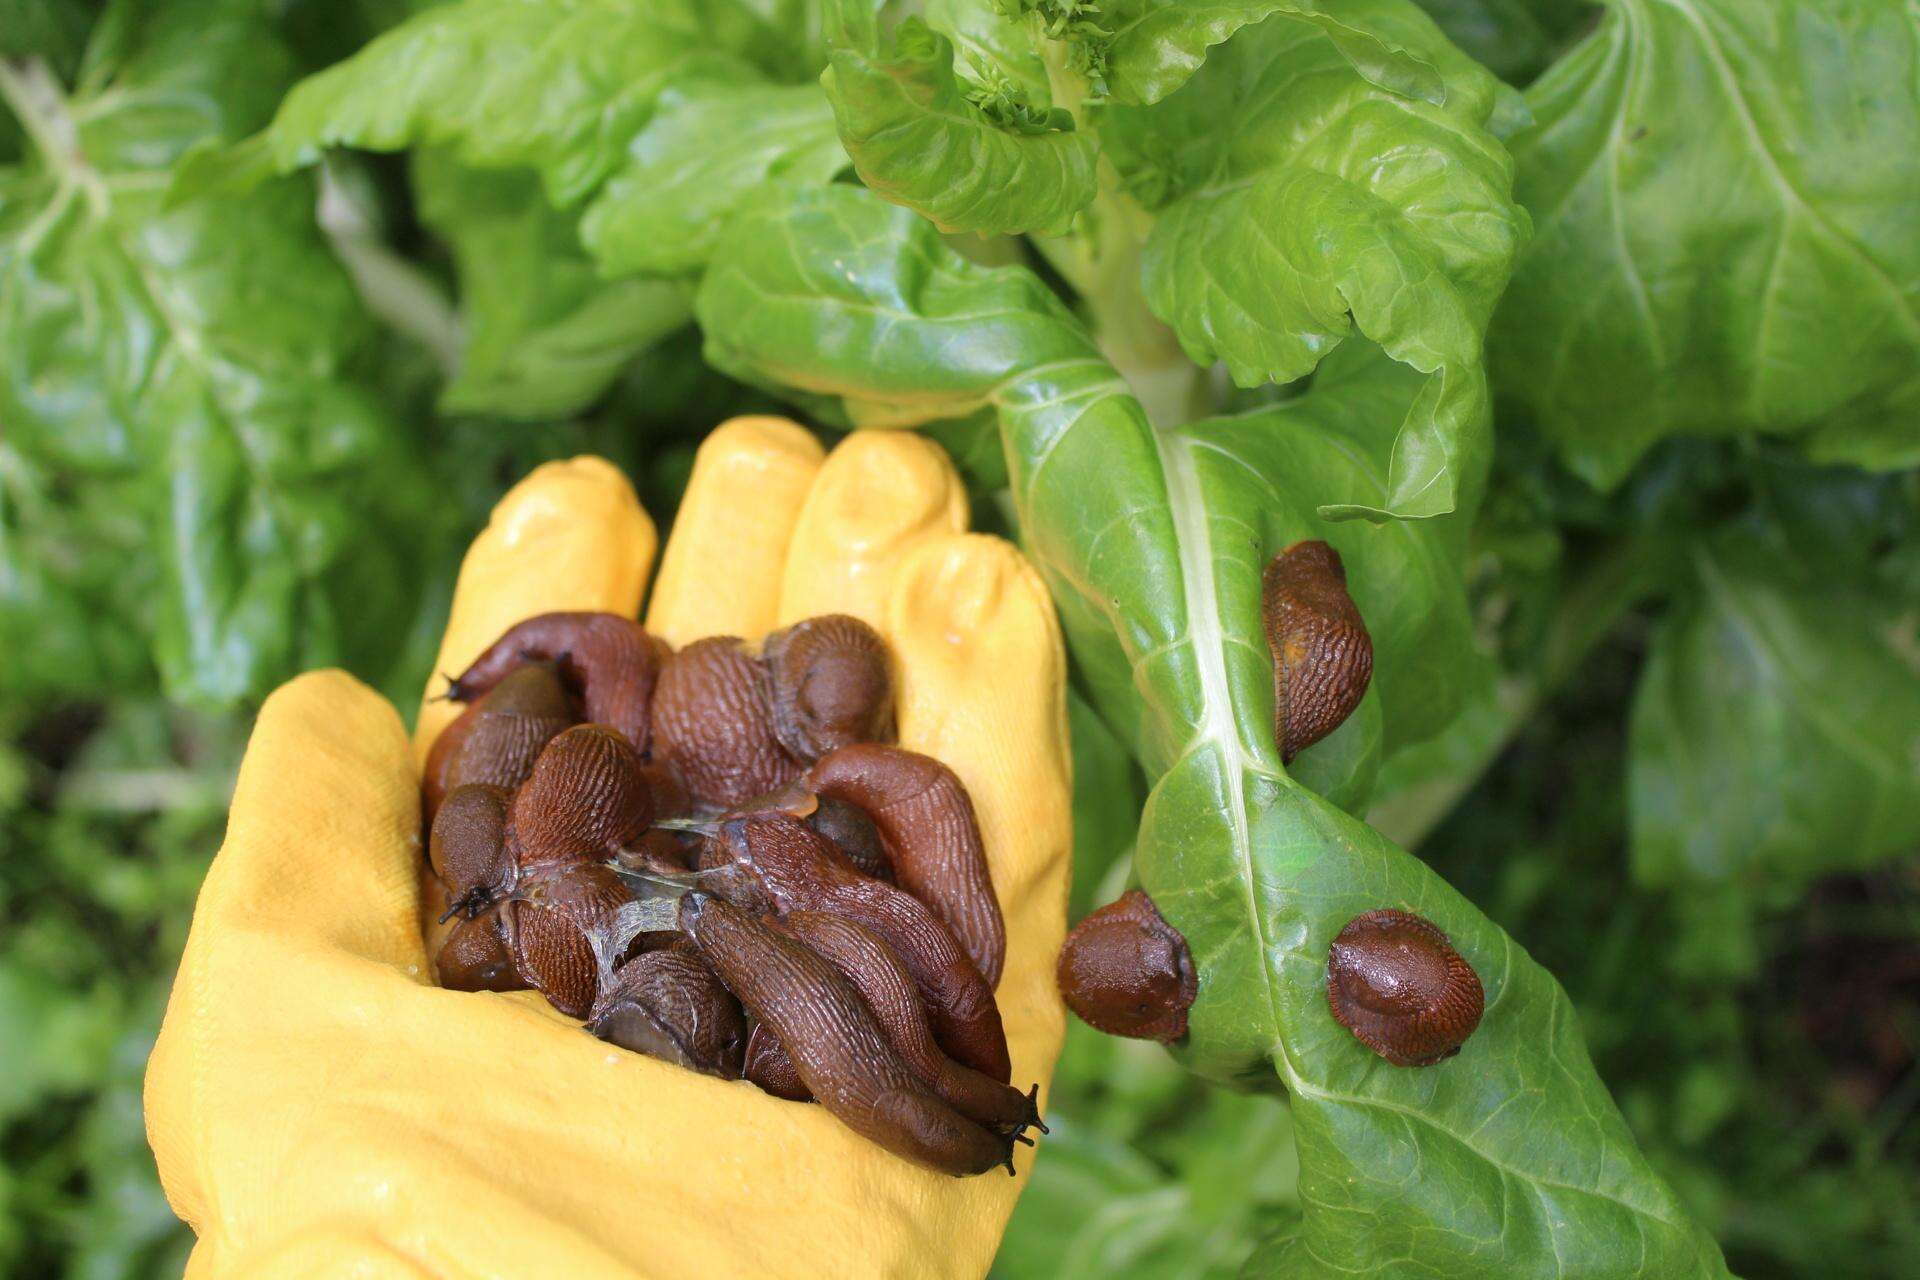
(884, 983)
(468, 846)
(828, 685)
(585, 798)
(498, 737)
(549, 923)
(475, 958)
(711, 722)
(837, 1049)
(669, 1004)
(769, 1066)
(1125, 971)
(801, 872)
(926, 823)
(609, 661)
(1322, 654)
(1397, 983)
(848, 828)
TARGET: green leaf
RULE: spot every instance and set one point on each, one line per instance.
(559, 86)
(1775, 733)
(1328, 198)
(993, 52)
(918, 139)
(1514, 39)
(1716, 184)
(1142, 50)
(707, 152)
(544, 335)
(196, 362)
(1510, 1156)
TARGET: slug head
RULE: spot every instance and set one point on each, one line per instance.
(768, 1065)
(1322, 654)
(829, 685)
(585, 798)
(1397, 983)
(1125, 971)
(468, 846)
(669, 1004)
(475, 958)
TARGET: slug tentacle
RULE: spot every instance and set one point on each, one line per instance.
(609, 661)
(828, 685)
(1397, 983)
(669, 1004)
(497, 738)
(1322, 654)
(712, 724)
(926, 822)
(837, 1049)
(1125, 971)
(585, 798)
(801, 872)
(884, 983)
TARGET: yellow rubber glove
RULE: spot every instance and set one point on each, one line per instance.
(319, 1107)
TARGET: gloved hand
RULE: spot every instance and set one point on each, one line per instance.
(319, 1107)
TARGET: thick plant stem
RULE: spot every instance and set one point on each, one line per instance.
(1100, 258)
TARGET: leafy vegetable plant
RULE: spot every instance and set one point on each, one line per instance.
(1178, 285)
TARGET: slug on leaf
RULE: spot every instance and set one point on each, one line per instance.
(498, 737)
(802, 872)
(1397, 983)
(711, 722)
(609, 661)
(828, 685)
(1322, 654)
(585, 798)
(1125, 971)
(669, 1004)
(926, 823)
(837, 1049)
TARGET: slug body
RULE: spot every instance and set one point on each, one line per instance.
(801, 872)
(769, 1066)
(1322, 654)
(1125, 971)
(609, 661)
(932, 839)
(475, 958)
(1397, 983)
(848, 828)
(669, 1004)
(550, 926)
(497, 738)
(712, 724)
(585, 798)
(828, 685)
(884, 983)
(468, 846)
(837, 1049)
